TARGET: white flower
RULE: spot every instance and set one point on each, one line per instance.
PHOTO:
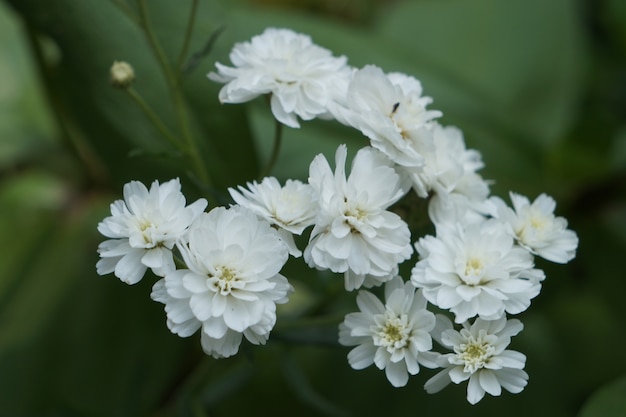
(449, 167)
(476, 271)
(302, 77)
(390, 110)
(291, 208)
(446, 210)
(144, 228)
(353, 281)
(394, 336)
(354, 231)
(537, 229)
(232, 283)
(480, 355)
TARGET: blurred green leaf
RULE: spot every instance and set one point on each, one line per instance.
(25, 125)
(608, 401)
(514, 94)
(526, 79)
(90, 35)
(75, 342)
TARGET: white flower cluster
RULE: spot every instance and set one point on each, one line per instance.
(479, 266)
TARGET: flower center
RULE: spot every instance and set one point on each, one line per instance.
(393, 334)
(535, 226)
(474, 354)
(225, 280)
(148, 231)
(354, 216)
(473, 271)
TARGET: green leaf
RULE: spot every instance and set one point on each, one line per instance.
(90, 35)
(608, 401)
(25, 124)
(513, 91)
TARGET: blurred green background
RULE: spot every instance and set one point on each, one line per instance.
(539, 87)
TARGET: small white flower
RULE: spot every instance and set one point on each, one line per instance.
(144, 228)
(394, 336)
(232, 283)
(353, 281)
(449, 167)
(390, 110)
(476, 271)
(354, 231)
(480, 356)
(446, 210)
(302, 77)
(291, 208)
(537, 229)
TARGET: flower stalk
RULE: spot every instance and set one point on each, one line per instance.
(271, 162)
(190, 147)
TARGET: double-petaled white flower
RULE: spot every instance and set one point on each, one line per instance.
(291, 208)
(479, 355)
(394, 336)
(476, 270)
(390, 110)
(144, 228)
(537, 229)
(302, 77)
(232, 282)
(449, 167)
(354, 232)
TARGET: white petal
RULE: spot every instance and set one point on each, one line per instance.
(362, 356)
(129, 268)
(475, 392)
(489, 382)
(438, 382)
(397, 374)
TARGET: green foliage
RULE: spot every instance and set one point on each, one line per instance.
(538, 92)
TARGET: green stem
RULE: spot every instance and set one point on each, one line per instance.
(187, 40)
(190, 148)
(153, 117)
(278, 139)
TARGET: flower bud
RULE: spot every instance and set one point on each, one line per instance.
(122, 74)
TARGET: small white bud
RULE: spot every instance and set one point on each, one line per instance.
(122, 74)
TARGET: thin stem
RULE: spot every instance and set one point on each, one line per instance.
(190, 148)
(153, 117)
(187, 40)
(278, 139)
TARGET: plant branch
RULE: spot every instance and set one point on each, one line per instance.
(278, 138)
(190, 147)
(153, 117)
(187, 40)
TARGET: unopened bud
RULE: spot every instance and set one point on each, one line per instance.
(122, 74)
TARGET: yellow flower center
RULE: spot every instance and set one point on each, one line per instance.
(225, 280)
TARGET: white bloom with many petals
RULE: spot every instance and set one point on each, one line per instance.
(144, 227)
(537, 229)
(302, 77)
(476, 271)
(480, 356)
(449, 167)
(291, 208)
(353, 230)
(446, 210)
(394, 336)
(232, 283)
(390, 110)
